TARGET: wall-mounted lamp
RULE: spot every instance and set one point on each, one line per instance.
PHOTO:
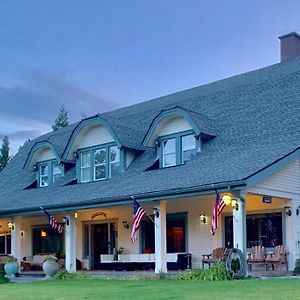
(156, 212)
(228, 199)
(298, 210)
(43, 234)
(11, 225)
(35, 167)
(202, 219)
(22, 233)
(125, 225)
(66, 221)
(75, 154)
(75, 215)
(157, 143)
(288, 211)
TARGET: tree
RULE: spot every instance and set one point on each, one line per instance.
(4, 153)
(62, 119)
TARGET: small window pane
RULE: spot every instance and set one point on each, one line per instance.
(85, 174)
(169, 153)
(114, 154)
(57, 173)
(100, 156)
(44, 181)
(85, 159)
(44, 170)
(188, 147)
(100, 172)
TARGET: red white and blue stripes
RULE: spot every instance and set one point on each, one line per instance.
(218, 207)
(138, 214)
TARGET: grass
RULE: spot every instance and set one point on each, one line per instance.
(152, 289)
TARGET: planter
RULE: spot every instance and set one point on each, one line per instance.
(11, 268)
(50, 267)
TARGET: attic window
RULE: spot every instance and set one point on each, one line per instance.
(177, 149)
(49, 172)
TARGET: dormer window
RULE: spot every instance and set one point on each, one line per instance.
(99, 162)
(177, 148)
(49, 172)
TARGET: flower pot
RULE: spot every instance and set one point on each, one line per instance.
(11, 268)
(50, 267)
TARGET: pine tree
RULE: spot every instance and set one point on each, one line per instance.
(62, 120)
(4, 153)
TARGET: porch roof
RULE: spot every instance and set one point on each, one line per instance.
(256, 117)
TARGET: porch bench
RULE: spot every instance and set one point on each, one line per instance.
(33, 262)
(131, 262)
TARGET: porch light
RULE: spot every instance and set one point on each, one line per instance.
(11, 225)
(227, 198)
(125, 225)
(288, 211)
(43, 234)
(235, 204)
(202, 219)
(76, 215)
(66, 220)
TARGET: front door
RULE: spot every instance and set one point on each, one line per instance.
(101, 242)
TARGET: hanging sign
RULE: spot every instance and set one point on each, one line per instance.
(267, 199)
(97, 214)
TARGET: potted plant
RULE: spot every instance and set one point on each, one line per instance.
(11, 266)
(50, 266)
(117, 251)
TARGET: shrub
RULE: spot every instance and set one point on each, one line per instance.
(297, 267)
(10, 259)
(65, 275)
(3, 279)
(216, 272)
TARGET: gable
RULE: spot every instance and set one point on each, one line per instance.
(172, 125)
(287, 179)
(44, 154)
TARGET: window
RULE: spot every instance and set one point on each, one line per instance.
(176, 234)
(49, 172)
(5, 244)
(85, 167)
(262, 230)
(56, 174)
(44, 175)
(169, 153)
(177, 149)
(99, 163)
(47, 240)
(188, 147)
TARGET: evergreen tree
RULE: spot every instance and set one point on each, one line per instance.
(4, 153)
(62, 119)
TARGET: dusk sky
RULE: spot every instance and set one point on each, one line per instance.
(95, 56)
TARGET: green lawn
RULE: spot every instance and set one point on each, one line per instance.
(152, 289)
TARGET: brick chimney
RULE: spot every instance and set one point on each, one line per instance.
(289, 46)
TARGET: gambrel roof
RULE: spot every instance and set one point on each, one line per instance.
(254, 118)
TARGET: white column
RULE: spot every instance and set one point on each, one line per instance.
(16, 238)
(70, 243)
(292, 230)
(239, 224)
(160, 238)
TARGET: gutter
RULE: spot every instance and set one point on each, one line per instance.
(125, 200)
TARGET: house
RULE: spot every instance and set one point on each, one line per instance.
(240, 135)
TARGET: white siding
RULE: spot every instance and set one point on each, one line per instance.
(45, 155)
(285, 180)
(95, 135)
(169, 125)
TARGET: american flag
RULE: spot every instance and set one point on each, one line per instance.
(218, 207)
(138, 213)
(53, 222)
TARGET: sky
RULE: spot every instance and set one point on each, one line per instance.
(96, 56)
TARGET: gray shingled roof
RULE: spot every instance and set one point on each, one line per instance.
(255, 117)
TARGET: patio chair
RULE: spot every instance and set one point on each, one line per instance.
(256, 256)
(278, 257)
(218, 254)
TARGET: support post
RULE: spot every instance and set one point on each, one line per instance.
(239, 224)
(160, 238)
(70, 243)
(16, 239)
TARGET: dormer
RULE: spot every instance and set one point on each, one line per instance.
(177, 133)
(43, 160)
(95, 149)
